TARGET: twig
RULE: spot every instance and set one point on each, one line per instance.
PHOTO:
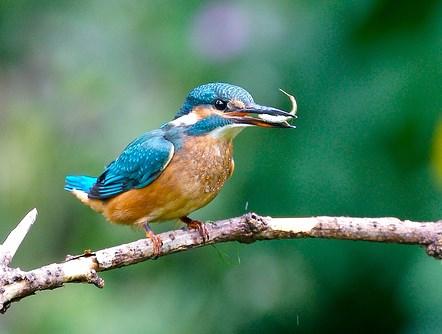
(15, 238)
(16, 284)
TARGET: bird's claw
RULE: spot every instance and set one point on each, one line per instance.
(193, 224)
(157, 243)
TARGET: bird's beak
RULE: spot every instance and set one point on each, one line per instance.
(255, 114)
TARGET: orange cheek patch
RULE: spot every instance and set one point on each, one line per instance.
(203, 112)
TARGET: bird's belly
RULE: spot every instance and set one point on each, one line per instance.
(192, 179)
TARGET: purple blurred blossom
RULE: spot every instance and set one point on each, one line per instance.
(220, 31)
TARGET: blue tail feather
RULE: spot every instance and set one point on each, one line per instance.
(83, 183)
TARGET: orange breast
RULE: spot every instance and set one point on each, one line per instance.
(192, 179)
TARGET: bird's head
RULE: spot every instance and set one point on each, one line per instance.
(223, 109)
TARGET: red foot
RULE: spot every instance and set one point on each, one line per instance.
(196, 225)
(157, 243)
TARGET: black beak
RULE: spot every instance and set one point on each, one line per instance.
(248, 115)
(258, 109)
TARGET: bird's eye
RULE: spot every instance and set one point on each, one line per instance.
(220, 104)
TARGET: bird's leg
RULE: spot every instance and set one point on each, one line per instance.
(193, 224)
(157, 243)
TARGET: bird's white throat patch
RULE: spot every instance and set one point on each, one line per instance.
(188, 119)
(228, 131)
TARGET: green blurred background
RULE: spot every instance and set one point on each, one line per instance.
(80, 79)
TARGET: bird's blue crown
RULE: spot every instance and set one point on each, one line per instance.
(208, 93)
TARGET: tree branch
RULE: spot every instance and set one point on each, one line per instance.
(16, 284)
(15, 238)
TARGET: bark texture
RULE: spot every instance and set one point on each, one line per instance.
(16, 284)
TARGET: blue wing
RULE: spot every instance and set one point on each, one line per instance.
(141, 162)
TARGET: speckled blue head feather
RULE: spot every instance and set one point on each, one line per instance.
(206, 94)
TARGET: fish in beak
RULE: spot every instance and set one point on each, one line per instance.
(255, 114)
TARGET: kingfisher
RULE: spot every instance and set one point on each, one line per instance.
(167, 173)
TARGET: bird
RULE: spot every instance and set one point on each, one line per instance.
(168, 173)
